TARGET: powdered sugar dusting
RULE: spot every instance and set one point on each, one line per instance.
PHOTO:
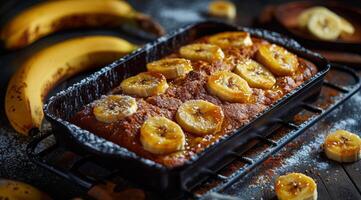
(181, 15)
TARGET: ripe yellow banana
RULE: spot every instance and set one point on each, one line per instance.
(30, 84)
(222, 8)
(200, 117)
(206, 52)
(51, 16)
(145, 84)
(255, 74)
(229, 86)
(160, 135)
(231, 39)
(296, 186)
(15, 190)
(171, 67)
(277, 59)
(113, 108)
(343, 146)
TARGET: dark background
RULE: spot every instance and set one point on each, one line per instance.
(172, 14)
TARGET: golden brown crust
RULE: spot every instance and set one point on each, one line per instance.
(193, 86)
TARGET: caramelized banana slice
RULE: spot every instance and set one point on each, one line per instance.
(206, 52)
(255, 74)
(277, 59)
(343, 146)
(160, 135)
(171, 67)
(324, 26)
(225, 9)
(145, 84)
(231, 39)
(200, 117)
(113, 108)
(229, 86)
(296, 186)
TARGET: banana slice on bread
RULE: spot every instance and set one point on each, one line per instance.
(277, 59)
(160, 135)
(296, 186)
(200, 117)
(343, 146)
(145, 84)
(231, 39)
(229, 86)
(171, 67)
(255, 74)
(113, 108)
(206, 52)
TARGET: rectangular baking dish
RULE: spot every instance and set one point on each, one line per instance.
(171, 181)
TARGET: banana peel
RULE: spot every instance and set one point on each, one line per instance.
(51, 16)
(30, 84)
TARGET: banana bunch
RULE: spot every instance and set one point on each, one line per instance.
(277, 59)
(51, 16)
(160, 135)
(229, 86)
(223, 9)
(231, 39)
(324, 24)
(145, 84)
(256, 75)
(295, 186)
(30, 84)
(171, 68)
(113, 108)
(206, 52)
(200, 117)
(343, 146)
(15, 190)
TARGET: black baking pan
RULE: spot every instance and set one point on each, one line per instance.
(171, 181)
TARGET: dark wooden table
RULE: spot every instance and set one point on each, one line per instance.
(335, 181)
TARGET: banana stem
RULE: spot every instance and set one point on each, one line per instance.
(148, 24)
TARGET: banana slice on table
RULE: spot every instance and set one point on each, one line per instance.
(343, 146)
(296, 186)
(255, 74)
(277, 59)
(200, 117)
(206, 52)
(324, 26)
(171, 67)
(229, 86)
(160, 135)
(222, 8)
(16, 190)
(231, 39)
(145, 84)
(113, 108)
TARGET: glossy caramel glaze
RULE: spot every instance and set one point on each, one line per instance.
(194, 86)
